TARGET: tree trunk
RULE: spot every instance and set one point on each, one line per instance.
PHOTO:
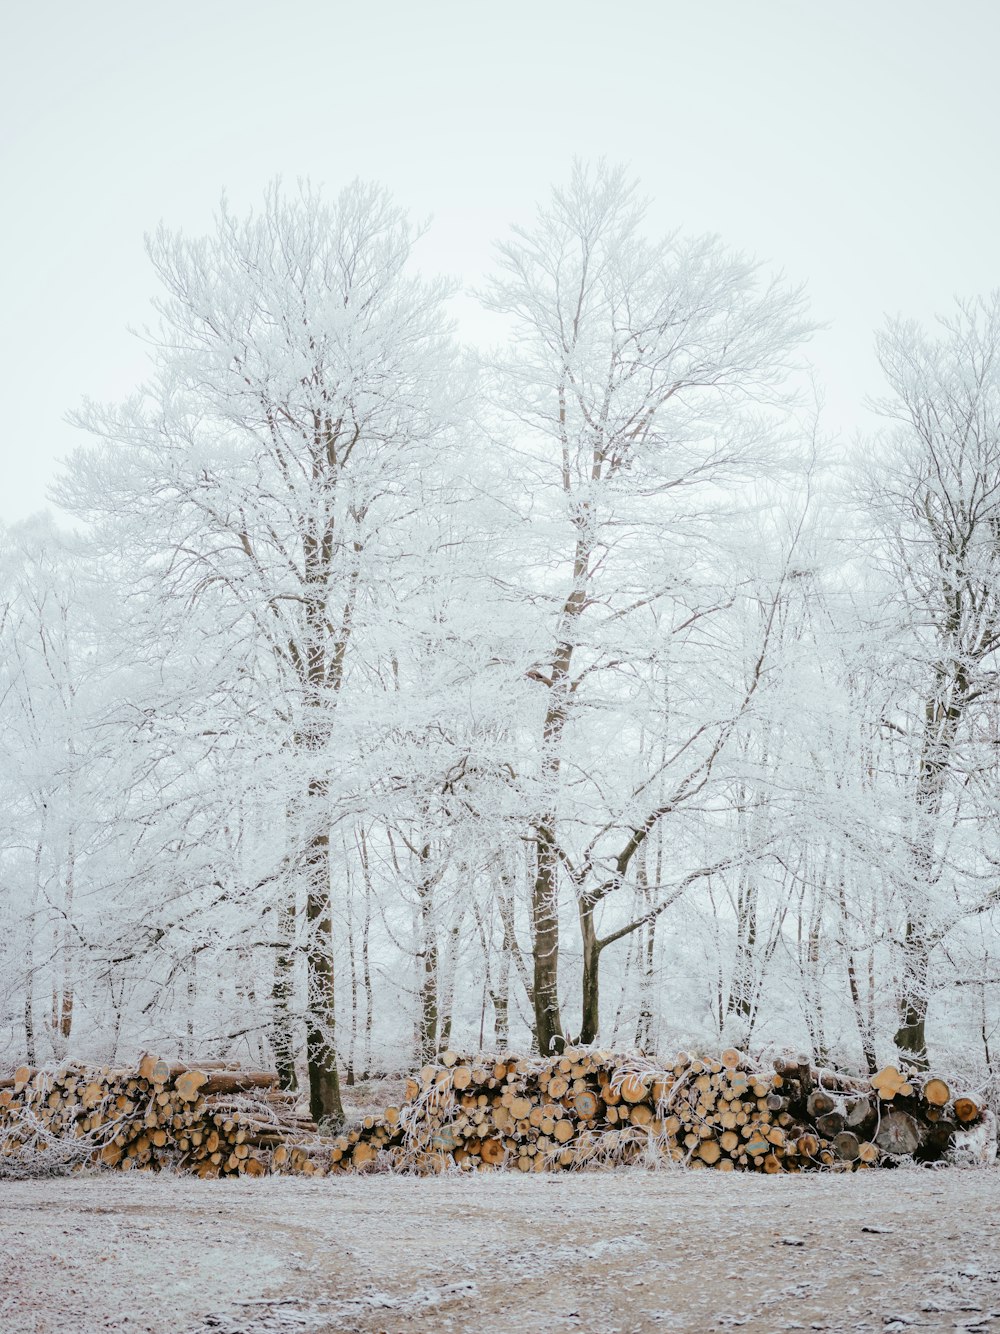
(366, 967)
(943, 715)
(742, 987)
(449, 980)
(811, 967)
(29, 960)
(428, 1027)
(191, 987)
(646, 948)
(500, 993)
(511, 948)
(545, 945)
(282, 1031)
(549, 1031)
(863, 1018)
(911, 1036)
(29, 997)
(590, 1017)
(501, 1016)
(321, 1053)
(62, 964)
(352, 964)
(427, 1031)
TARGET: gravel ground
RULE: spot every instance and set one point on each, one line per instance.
(911, 1250)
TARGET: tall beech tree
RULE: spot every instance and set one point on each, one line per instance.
(268, 469)
(931, 499)
(628, 396)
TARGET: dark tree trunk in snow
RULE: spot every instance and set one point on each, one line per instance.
(590, 1021)
(321, 1051)
(282, 1031)
(545, 945)
(911, 1035)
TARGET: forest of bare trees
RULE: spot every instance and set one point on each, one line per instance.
(373, 692)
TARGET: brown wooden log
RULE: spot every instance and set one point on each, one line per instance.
(188, 1084)
(819, 1103)
(234, 1081)
(586, 1104)
(936, 1092)
(846, 1146)
(887, 1082)
(966, 1110)
(635, 1088)
(830, 1124)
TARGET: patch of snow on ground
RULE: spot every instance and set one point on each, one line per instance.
(627, 1251)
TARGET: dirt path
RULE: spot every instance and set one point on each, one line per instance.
(627, 1251)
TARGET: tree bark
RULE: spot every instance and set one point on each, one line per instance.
(545, 945)
(448, 981)
(321, 1053)
(366, 969)
(549, 1030)
(911, 1035)
(590, 1019)
(428, 1024)
(647, 956)
(282, 1031)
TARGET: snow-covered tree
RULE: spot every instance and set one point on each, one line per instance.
(268, 470)
(931, 502)
(637, 404)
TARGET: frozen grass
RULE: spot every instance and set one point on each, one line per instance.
(627, 1251)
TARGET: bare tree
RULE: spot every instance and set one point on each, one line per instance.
(933, 491)
(267, 470)
(625, 400)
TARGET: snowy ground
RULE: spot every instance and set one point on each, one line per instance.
(628, 1251)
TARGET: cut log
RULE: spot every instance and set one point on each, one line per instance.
(936, 1092)
(846, 1146)
(188, 1084)
(966, 1110)
(859, 1110)
(635, 1088)
(586, 1104)
(563, 1131)
(888, 1082)
(830, 1124)
(819, 1103)
(898, 1133)
(225, 1081)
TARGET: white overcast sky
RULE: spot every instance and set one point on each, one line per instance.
(854, 145)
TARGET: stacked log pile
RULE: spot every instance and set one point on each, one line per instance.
(213, 1120)
(582, 1109)
(590, 1108)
